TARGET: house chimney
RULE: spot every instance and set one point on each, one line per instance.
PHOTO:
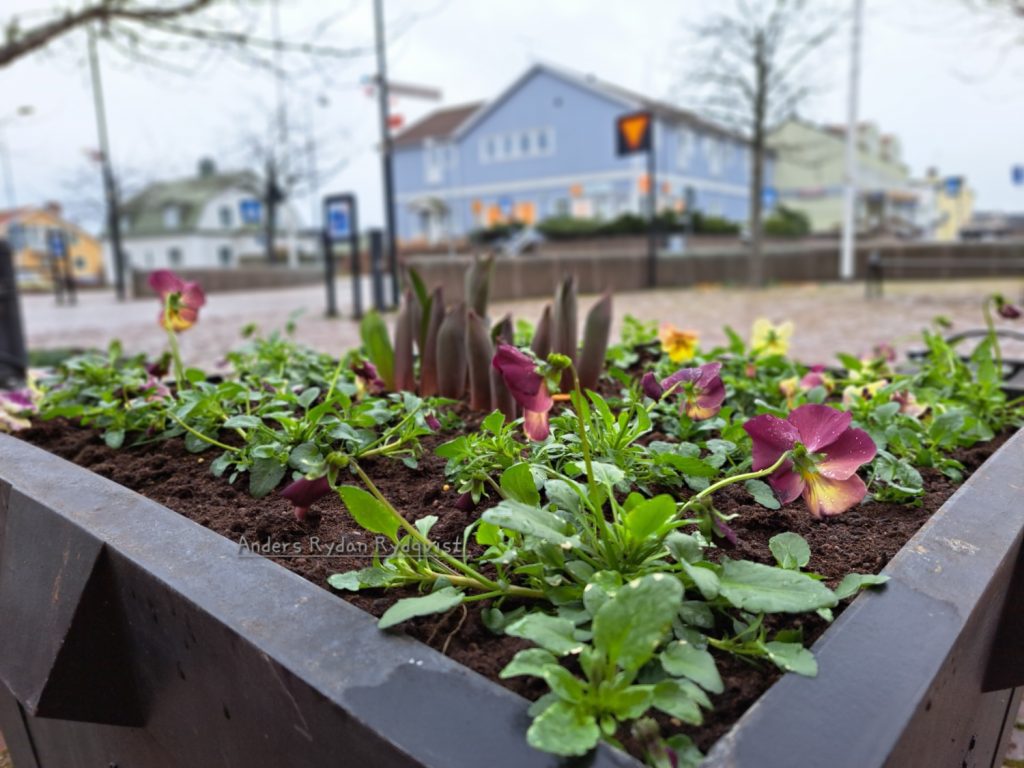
(52, 206)
(207, 168)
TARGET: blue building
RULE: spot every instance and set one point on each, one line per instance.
(546, 147)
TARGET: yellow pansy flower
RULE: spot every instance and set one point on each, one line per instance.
(680, 346)
(768, 339)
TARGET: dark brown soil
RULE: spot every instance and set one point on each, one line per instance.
(862, 540)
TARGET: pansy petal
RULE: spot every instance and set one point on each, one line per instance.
(192, 296)
(522, 379)
(771, 437)
(303, 492)
(535, 424)
(818, 424)
(786, 483)
(846, 454)
(650, 386)
(680, 376)
(164, 282)
(826, 497)
(707, 403)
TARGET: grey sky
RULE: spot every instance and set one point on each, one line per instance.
(949, 83)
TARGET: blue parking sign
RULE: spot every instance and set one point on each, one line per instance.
(1018, 174)
(251, 211)
(55, 241)
(769, 197)
(339, 220)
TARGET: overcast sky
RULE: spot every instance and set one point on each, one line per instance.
(947, 81)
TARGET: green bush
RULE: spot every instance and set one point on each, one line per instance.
(494, 233)
(785, 222)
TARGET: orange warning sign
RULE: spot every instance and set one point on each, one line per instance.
(633, 133)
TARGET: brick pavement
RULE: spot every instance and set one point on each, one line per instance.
(828, 317)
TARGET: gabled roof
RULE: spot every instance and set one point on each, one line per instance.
(190, 195)
(623, 96)
(437, 125)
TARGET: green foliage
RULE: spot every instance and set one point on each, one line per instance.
(786, 222)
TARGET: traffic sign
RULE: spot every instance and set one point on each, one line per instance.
(633, 133)
(1018, 174)
(953, 185)
(251, 210)
(339, 219)
(769, 197)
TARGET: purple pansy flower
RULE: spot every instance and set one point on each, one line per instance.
(304, 493)
(527, 386)
(701, 389)
(826, 455)
(181, 300)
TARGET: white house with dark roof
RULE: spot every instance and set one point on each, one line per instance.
(545, 146)
(210, 220)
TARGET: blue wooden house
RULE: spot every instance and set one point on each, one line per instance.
(546, 147)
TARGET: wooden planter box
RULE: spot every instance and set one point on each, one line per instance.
(131, 636)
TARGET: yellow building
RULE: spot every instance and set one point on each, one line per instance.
(954, 204)
(28, 230)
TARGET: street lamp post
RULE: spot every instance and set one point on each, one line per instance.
(5, 154)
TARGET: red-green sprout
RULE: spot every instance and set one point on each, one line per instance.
(701, 390)
(825, 454)
(1006, 310)
(528, 386)
(181, 301)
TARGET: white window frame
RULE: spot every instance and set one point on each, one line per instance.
(433, 162)
(686, 141)
(171, 216)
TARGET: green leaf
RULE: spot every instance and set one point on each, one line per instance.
(374, 333)
(308, 396)
(790, 550)
(563, 495)
(687, 465)
(243, 421)
(681, 659)
(494, 422)
(675, 700)
(436, 602)
(853, 582)
(517, 483)
(629, 703)
(529, 661)
(368, 512)
(564, 683)
(763, 589)
(648, 517)
(306, 458)
(529, 520)
(607, 474)
(705, 579)
(114, 438)
(629, 627)
(264, 476)
(564, 729)
(549, 632)
(762, 493)
(792, 657)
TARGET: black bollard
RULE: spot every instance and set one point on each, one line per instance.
(376, 268)
(13, 357)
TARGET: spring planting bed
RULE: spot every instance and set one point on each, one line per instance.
(862, 540)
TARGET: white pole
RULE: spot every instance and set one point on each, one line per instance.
(846, 257)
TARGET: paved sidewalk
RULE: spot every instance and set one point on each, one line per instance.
(828, 317)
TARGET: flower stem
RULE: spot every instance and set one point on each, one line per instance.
(200, 435)
(990, 324)
(734, 479)
(172, 339)
(413, 531)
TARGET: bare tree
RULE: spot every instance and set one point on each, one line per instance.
(19, 41)
(749, 71)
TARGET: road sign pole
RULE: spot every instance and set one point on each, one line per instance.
(652, 227)
(353, 247)
(13, 357)
(332, 295)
